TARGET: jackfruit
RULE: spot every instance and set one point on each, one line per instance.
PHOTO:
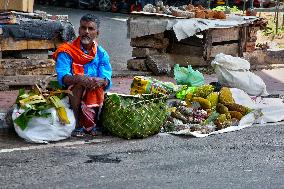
(203, 91)
(213, 99)
(235, 114)
(204, 103)
(237, 107)
(225, 96)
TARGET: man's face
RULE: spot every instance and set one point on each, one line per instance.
(88, 32)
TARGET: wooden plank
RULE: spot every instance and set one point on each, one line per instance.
(230, 49)
(207, 44)
(242, 40)
(11, 44)
(22, 80)
(273, 9)
(225, 34)
(12, 67)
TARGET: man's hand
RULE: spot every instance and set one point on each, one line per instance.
(85, 81)
(98, 82)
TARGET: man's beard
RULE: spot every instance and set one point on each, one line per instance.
(86, 40)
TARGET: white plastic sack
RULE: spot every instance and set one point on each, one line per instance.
(43, 130)
(234, 72)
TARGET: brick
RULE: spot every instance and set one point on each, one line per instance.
(250, 46)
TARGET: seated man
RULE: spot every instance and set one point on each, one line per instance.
(83, 66)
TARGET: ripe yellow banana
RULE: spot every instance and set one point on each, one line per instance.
(60, 109)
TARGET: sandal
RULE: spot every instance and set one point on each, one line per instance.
(95, 132)
(79, 132)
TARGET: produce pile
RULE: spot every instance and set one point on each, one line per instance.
(204, 110)
(186, 11)
(36, 102)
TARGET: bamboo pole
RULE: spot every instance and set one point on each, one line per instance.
(277, 16)
(244, 6)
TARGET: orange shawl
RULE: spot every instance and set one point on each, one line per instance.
(92, 98)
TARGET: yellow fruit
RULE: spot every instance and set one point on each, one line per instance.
(204, 103)
(62, 115)
(225, 96)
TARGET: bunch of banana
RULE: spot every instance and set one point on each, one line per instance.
(60, 109)
(33, 99)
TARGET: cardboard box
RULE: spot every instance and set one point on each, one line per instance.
(17, 5)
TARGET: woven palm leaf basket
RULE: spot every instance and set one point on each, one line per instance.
(129, 116)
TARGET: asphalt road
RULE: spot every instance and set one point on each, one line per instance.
(250, 158)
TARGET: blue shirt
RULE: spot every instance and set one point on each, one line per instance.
(99, 67)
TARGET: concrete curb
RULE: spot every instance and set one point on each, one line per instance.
(3, 124)
(125, 73)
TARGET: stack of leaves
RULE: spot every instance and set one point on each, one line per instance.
(36, 102)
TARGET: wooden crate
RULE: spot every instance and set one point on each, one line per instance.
(17, 5)
(17, 73)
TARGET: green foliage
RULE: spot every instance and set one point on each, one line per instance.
(35, 104)
(30, 112)
(233, 9)
(271, 28)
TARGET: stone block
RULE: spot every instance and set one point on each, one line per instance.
(185, 60)
(159, 64)
(143, 52)
(149, 42)
(137, 64)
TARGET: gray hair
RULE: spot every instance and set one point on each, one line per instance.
(91, 18)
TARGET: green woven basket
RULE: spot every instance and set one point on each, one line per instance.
(128, 116)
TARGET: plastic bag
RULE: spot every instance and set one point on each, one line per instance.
(183, 92)
(148, 85)
(188, 76)
(234, 72)
(43, 130)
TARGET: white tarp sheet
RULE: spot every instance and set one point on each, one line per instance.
(184, 28)
(266, 110)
